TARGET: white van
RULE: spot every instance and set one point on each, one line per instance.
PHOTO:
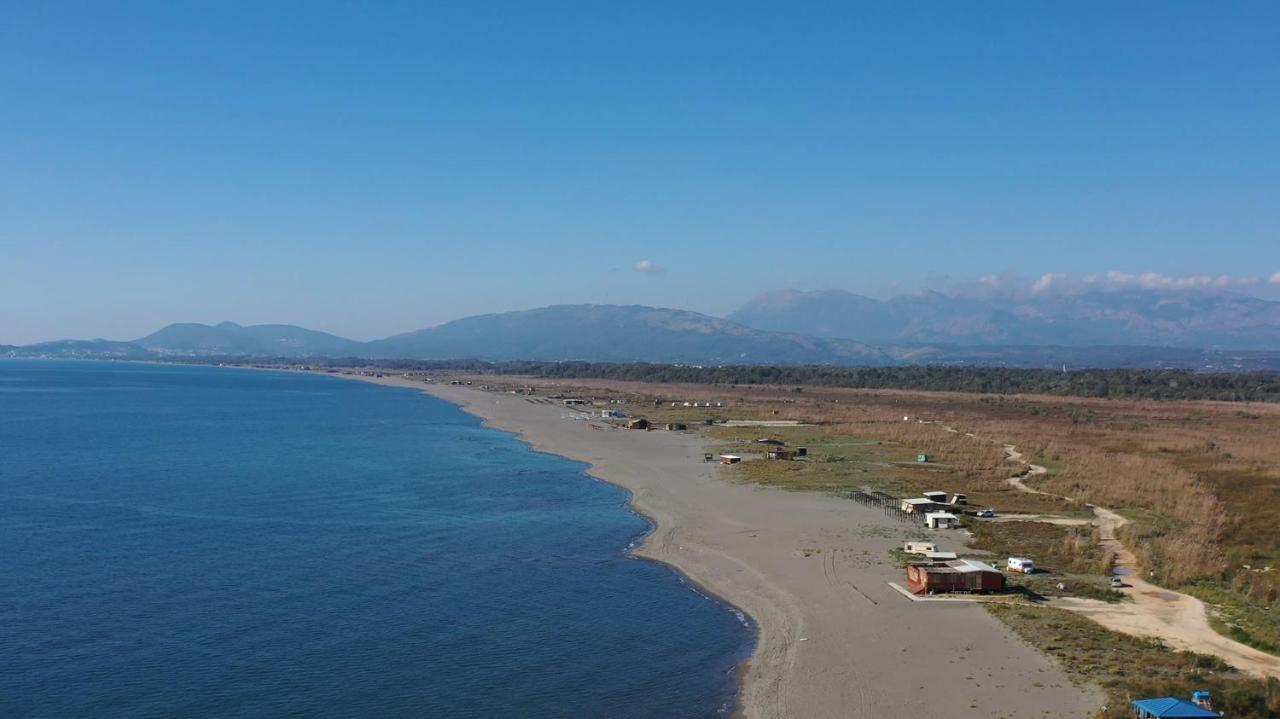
(1021, 564)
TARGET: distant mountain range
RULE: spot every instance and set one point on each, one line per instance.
(616, 333)
(229, 338)
(779, 328)
(1144, 317)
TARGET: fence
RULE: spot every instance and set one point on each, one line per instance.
(889, 505)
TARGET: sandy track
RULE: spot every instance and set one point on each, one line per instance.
(1178, 619)
(833, 639)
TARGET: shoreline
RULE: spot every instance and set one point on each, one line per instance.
(636, 548)
(809, 571)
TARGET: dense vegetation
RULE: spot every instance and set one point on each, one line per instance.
(1100, 383)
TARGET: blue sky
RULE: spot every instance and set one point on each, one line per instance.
(373, 168)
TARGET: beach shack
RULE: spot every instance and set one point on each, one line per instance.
(919, 505)
(730, 459)
(961, 575)
(1199, 707)
(941, 520)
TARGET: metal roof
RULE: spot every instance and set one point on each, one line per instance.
(1172, 708)
(971, 565)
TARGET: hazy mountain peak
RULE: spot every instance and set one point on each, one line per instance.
(1193, 317)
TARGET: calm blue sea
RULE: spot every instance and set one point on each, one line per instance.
(204, 542)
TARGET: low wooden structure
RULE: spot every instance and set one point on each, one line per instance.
(730, 459)
(638, 424)
(920, 505)
(785, 453)
(961, 575)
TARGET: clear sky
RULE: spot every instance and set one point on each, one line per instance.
(369, 168)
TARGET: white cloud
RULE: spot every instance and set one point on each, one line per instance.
(1157, 281)
(647, 267)
(1005, 284)
(1048, 280)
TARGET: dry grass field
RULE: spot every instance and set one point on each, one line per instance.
(1129, 668)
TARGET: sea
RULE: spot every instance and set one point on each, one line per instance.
(186, 541)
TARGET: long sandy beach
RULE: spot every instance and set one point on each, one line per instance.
(812, 572)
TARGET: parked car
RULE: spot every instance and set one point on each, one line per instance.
(986, 513)
(1117, 582)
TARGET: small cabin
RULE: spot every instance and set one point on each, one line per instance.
(784, 453)
(638, 424)
(936, 496)
(919, 505)
(959, 499)
(941, 520)
(730, 459)
(961, 575)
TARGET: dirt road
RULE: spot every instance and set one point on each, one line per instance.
(1179, 620)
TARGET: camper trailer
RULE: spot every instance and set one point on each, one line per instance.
(919, 547)
(1021, 564)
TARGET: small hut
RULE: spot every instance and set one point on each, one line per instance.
(961, 575)
(941, 520)
(638, 424)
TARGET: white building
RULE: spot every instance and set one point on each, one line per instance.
(941, 520)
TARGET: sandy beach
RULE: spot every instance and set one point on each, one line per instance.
(812, 572)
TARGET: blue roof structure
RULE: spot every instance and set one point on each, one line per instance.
(1172, 708)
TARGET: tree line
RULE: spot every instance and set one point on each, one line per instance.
(1167, 384)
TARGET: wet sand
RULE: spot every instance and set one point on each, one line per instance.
(811, 571)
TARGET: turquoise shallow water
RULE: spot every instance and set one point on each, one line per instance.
(204, 542)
